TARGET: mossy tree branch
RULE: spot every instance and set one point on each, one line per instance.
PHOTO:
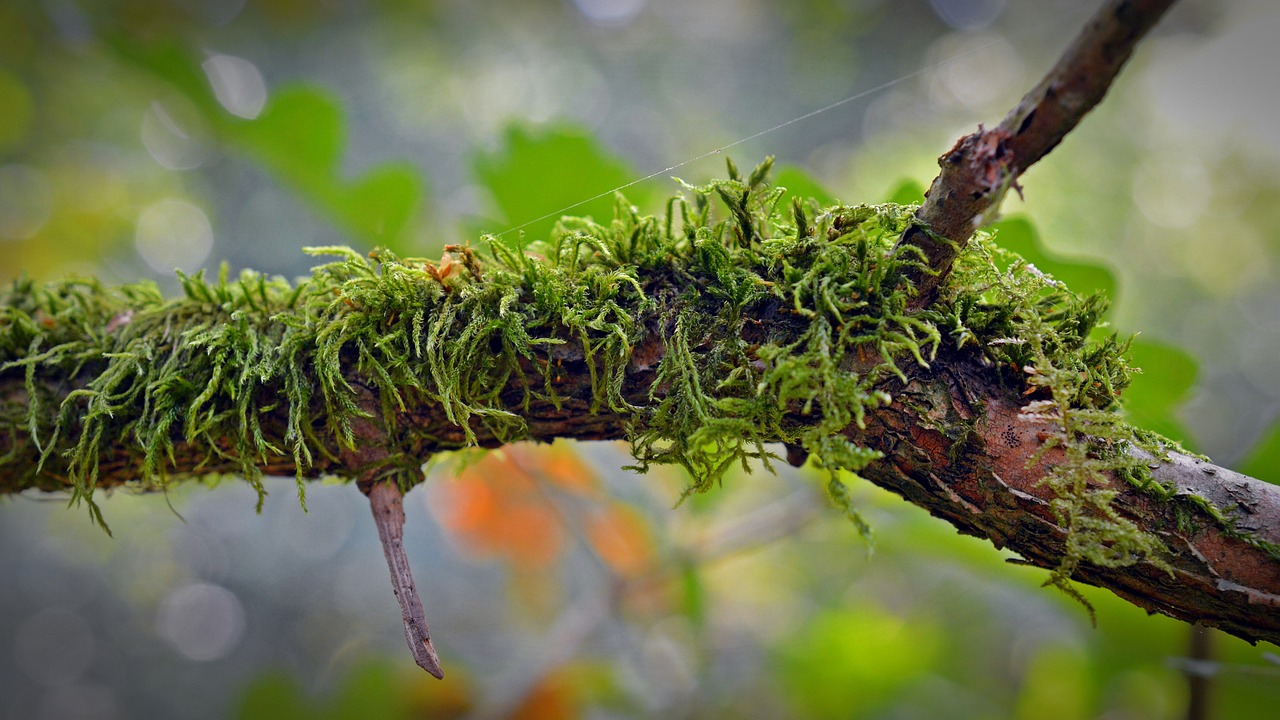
(955, 438)
(700, 340)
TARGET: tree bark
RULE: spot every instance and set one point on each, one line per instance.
(954, 443)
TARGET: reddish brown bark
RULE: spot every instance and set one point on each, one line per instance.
(983, 485)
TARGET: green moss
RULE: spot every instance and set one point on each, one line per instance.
(1039, 328)
(780, 323)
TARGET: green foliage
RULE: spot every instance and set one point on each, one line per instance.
(800, 184)
(864, 648)
(1019, 235)
(1163, 385)
(1263, 461)
(299, 137)
(907, 192)
(544, 170)
(372, 690)
(1058, 678)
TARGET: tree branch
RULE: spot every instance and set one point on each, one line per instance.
(955, 444)
(981, 168)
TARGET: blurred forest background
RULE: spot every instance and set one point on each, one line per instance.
(140, 136)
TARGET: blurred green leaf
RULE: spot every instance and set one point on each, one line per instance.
(274, 696)
(299, 136)
(372, 690)
(799, 183)
(1083, 277)
(1263, 461)
(546, 170)
(171, 61)
(381, 206)
(19, 111)
(1057, 685)
(693, 595)
(907, 192)
(853, 660)
(1152, 400)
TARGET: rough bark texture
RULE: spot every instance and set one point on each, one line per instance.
(981, 168)
(981, 483)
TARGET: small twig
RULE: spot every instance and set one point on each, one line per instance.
(981, 168)
(1199, 684)
(387, 501)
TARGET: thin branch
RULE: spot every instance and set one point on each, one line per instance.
(1199, 684)
(387, 502)
(981, 168)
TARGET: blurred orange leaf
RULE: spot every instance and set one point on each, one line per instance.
(554, 698)
(498, 507)
(621, 537)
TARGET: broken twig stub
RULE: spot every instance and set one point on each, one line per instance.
(387, 501)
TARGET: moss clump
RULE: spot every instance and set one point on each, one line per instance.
(1075, 375)
(780, 323)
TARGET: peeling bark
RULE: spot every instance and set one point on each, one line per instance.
(967, 463)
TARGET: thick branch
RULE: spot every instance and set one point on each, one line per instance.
(954, 444)
(981, 168)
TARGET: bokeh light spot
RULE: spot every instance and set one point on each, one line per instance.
(610, 12)
(1224, 90)
(172, 234)
(973, 71)
(79, 702)
(1171, 192)
(237, 84)
(25, 202)
(320, 531)
(213, 12)
(201, 621)
(172, 133)
(968, 14)
(16, 118)
(54, 646)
